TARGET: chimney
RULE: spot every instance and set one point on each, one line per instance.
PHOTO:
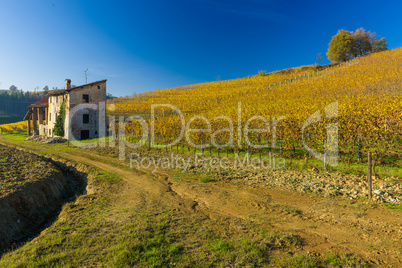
(68, 83)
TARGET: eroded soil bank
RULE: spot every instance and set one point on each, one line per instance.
(32, 190)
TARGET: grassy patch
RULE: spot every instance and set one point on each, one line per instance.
(206, 180)
(102, 175)
(239, 252)
(15, 137)
(145, 243)
(302, 261)
(343, 260)
(396, 207)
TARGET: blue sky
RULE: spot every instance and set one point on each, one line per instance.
(144, 45)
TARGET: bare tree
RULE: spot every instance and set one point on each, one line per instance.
(319, 58)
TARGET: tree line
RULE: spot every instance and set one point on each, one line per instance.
(16, 103)
(346, 45)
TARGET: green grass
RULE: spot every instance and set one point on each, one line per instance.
(102, 175)
(15, 137)
(300, 262)
(206, 180)
(343, 260)
(397, 207)
(145, 243)
(240, 252)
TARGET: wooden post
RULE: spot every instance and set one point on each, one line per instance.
(34, 122)
(385, 135)
(29, 127)
(202, 143)
(325, 154)
(358, 149)
(369, 176)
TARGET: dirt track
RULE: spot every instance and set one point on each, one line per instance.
(325, 224)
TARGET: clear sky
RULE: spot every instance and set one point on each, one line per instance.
(143, 45)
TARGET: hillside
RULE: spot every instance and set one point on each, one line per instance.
(367, 90)
(13, 106)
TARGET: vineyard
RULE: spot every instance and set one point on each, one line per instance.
(361, 100)
(13, 128)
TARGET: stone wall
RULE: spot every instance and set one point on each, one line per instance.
(74, 119)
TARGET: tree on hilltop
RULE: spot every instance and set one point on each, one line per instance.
(377, 44)
(363, 41)
(343, 47)
(347, 45)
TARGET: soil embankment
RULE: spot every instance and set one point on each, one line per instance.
(32, 190)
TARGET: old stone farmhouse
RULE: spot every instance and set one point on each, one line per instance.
(79, 124)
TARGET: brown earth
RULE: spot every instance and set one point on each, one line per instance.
(324, 224)
(31, 190)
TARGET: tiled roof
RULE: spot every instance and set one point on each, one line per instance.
(40, 103)
(64, 91)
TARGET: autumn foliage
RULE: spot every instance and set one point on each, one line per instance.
(18, 127)
(347, 45)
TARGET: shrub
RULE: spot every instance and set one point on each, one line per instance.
(58, 129)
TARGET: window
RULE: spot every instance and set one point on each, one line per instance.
(85, 119)
(98, 87)
(50, 117)
(50, 132)
(85, 98)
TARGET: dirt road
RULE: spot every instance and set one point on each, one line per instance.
(369, 231)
